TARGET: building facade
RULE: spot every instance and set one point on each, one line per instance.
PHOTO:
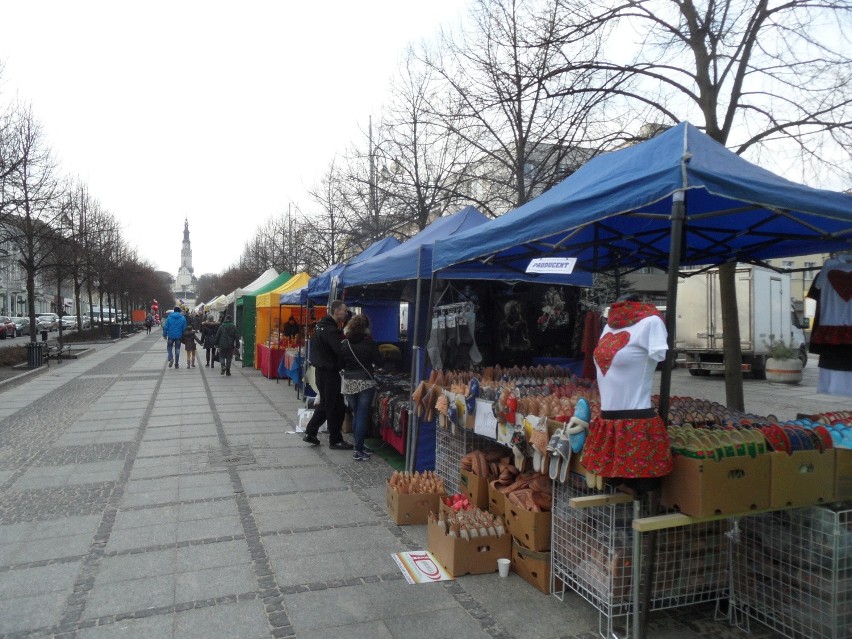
(186, 284)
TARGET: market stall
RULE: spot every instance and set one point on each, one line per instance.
(272, 333)
(246, 315)
(678, 199)
(398, 275)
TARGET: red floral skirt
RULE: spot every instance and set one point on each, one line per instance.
(628, 448)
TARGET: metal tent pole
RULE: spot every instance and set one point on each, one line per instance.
(413, 423)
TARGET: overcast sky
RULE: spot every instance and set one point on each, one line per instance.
(221, 113)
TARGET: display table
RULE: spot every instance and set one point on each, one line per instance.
(268, 360)
(293, 365)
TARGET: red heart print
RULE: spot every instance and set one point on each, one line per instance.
(841, 281)
(606, 349)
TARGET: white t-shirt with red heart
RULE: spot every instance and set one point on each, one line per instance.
(625, 359)
(834, 282)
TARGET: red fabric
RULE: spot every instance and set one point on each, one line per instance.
(624, 314)
(628, 448)
(841, 281)
(609, 345)
(832, 335)
(591, 334)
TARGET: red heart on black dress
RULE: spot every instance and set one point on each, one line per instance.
(841, 281)
(606, 349)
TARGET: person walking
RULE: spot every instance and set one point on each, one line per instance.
(149, 322)
(225, 339)
(359, 358)
(173, 329)
(189, 340)
(325, 357)
(208, 332)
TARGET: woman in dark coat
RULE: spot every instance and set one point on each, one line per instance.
(208, 332)
(360, 358)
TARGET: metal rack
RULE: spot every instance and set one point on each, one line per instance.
(592, 554)
(792, 572)
(449, 450)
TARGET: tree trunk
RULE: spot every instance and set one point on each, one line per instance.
(731, 342)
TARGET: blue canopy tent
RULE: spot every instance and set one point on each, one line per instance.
(680, 198)
(412, 260)
(320, 287)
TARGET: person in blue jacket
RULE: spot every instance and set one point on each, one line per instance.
(173, 329)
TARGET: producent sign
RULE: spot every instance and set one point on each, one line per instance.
(564, 265)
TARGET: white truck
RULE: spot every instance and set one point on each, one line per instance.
(765, 311)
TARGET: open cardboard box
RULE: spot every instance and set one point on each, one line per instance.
(533, 566)
(700, 487)
(496, 500)
(842, 474)
(477, 556)
(410, 509)
(805, 478)
(475, 488)
(530, 529)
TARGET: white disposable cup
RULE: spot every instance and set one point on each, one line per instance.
(503, 566)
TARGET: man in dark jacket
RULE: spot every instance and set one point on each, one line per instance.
(325, 357)
(224, 340)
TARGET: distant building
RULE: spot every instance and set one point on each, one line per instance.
(186, 284)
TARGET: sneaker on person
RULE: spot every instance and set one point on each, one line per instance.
(360, 456)
(170, 363)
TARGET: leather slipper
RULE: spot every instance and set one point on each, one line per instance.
(554, 456)
(563, 450)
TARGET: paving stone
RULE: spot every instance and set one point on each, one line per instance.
(214, 582)
(134, 594)
(37, 581)
(25, 613)
(243, 619)
(146, 628)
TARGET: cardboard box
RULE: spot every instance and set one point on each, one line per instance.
(496, 501)
(731, 485)
(533, 566)
(842, 474)
(475, 488)
(408, 509)
(531, 530)
(805, 478)
(476, 556)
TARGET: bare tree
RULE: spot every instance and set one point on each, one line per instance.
(500, 72)
(35, 205)
(417, 160)
(762, 76)
(326, 230)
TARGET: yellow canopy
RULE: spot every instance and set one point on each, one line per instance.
(270, 299)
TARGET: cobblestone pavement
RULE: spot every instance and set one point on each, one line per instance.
(142, 501)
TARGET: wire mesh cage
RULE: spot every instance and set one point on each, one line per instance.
(592, 555)
(792, 572)
(450, 447)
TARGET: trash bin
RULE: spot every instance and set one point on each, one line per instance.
(44, 336)
(35, 355)
(114, 331)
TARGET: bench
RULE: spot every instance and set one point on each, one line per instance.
(57, 353)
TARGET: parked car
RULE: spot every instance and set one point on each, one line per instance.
(69, 322)
(48, 322)
(22, 325)
(9, 325)
(87, 321)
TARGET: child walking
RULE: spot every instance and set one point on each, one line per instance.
(189, 340)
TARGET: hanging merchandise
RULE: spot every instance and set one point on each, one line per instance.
(832, 331)
(451, 339)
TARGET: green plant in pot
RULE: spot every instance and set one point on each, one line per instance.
(783, 364)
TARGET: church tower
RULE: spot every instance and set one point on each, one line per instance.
(186, 284)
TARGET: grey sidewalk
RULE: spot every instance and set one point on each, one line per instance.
(142, 501)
